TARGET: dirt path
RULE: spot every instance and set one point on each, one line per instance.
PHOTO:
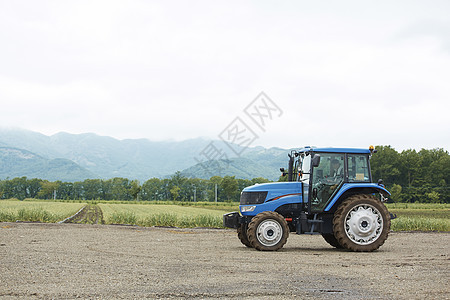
(67, 261)
(90, 214)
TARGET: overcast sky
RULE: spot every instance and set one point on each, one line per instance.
(342, 73)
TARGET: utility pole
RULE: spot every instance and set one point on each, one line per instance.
(195, 194)
(215, 192)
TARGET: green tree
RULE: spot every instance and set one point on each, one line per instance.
(433, 197)
(181, 182)
(66, 191)
(385, 165)
(135, 189)
(410, 165)
(283, 178)
(107, 189)
(396, 192)
(259, 180)
(78, 191)
(175, 192)
(152, 189)
(243, 183)
(47, 189)
(440, 169)
(93, 189)
(19, 186)
(6, 189)
(121, 189)
(230, 187)
(199, 187)
(34, 186)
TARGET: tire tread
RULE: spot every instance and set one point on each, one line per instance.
(253, 225)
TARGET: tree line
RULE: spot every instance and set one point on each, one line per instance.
(410, 175)
(176, 188)
(413, 176)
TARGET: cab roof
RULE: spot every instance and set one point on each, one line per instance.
(335, 150)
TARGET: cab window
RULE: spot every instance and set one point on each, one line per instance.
(358, 168)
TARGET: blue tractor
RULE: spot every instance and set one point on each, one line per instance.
(329, 191)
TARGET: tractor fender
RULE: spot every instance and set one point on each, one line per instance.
(349, 186)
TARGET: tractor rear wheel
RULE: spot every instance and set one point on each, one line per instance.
(242, 235)
(361, 223)
(331, 239)
(268, 231)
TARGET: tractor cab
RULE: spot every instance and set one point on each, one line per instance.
(324, 171)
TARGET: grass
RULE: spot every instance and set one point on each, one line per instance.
(170, 219)
(36, 211)
(418, 206)
(420, 224)
(420, 216)
(166, 220)
(410, 216)
(162, 215)
(144, 210)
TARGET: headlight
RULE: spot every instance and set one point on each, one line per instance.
(248, 208)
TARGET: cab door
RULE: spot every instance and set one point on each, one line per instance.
(326, 179)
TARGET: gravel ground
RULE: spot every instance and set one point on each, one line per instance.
(66, 261)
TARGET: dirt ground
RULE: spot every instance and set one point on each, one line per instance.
(67, 261)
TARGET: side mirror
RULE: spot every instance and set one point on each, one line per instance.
(316, 160)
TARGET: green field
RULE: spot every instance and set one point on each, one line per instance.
(162, 215)
(416, 216)
(37, 211)
(420, 216)
(410, 217)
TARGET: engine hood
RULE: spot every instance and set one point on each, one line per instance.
(276, 189)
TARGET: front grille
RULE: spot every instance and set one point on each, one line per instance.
(253, 197)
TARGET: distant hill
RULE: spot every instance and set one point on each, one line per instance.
(257, 162)
(18, 163)
(94, 156)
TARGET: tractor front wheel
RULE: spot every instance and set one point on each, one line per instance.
(268, 231)
(361, 223)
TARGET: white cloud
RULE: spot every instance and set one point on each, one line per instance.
(346, 74)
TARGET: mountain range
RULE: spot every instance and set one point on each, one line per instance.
(75, 157)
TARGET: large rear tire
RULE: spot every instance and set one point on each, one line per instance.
(331, 239)
(242, 235)
(268, 231)
(361, 223)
